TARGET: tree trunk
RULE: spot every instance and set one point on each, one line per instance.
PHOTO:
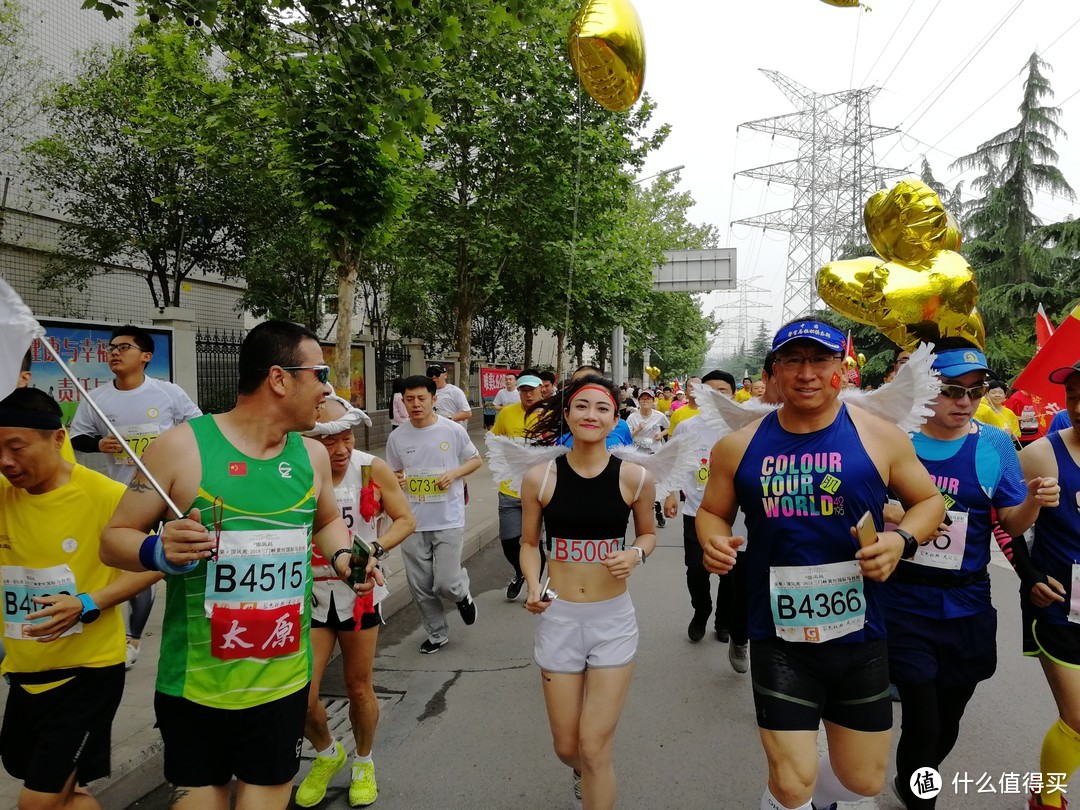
(463, 329)
(529, 335)
(347, 272)
(560, 352)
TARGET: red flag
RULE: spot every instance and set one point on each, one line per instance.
(851, 370)
(1044, 327)
(1061, 349)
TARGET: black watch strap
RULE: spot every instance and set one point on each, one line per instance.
(338, 553)
(911, 545)
(377, 549)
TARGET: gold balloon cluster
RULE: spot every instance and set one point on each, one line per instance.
(855, 362)
(653, 372)
(607, 52)
(918, 288)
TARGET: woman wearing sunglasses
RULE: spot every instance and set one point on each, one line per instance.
(586, 638)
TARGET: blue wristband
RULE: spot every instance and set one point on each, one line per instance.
(146, 552)
(164, 566)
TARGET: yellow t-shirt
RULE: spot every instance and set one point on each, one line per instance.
(742, 395)
(663, 405)
(511, 422)
(49, 543)
(681, 415)
(1004, 419)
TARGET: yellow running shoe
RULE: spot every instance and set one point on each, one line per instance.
(362, 789)
(323, 769)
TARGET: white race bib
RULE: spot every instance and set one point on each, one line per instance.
(23, 585)
(1074, 595)
(946, 551)
(815, 603)
(260, 569)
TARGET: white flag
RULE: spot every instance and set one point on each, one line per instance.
(18, 328)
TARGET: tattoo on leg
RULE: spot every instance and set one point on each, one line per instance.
(178, 794)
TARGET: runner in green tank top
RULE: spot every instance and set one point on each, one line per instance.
(232, 681)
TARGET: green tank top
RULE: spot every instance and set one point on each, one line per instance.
(235, 630)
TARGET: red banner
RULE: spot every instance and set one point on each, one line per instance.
(1060, 350)
(491, 381)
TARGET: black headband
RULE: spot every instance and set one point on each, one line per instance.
(39, 420)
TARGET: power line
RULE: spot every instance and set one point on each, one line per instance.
(933, 10)
(881, 51)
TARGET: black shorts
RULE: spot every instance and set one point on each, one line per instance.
(949, 652)
(797, 685)
(367, 620)
(1058, 642)
(48, 736)
(207, 746)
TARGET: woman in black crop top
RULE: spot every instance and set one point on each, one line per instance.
(586, 638)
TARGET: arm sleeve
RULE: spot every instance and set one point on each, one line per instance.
(1016, 552)
(86, 443)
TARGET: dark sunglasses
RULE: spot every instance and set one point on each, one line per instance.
(959, 392)
(322, 373)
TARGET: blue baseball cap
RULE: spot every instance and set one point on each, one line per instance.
(828, 336)
(957, 362)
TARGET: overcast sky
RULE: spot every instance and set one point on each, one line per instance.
(950, 73)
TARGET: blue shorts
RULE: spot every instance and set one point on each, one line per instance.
(950, 652)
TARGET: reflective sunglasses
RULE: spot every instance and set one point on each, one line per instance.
(959, 392)
(322, 373)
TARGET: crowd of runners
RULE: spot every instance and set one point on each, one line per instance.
(852, 558)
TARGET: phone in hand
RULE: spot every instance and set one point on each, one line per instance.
(865, 530)
(546, 594)
(361, 553)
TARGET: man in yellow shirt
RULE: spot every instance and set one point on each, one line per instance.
(55, 589)
(511, 422)
(744, 393)
(725, 383)
(663, 402)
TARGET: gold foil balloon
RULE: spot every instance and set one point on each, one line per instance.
(861, 359)
(607, 52)
(953, 236)
(908, 223)
(907, 303)
(842, 3)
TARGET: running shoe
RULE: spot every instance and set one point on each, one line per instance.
(738, 655)
(313, 789)
(429, 646)
(696, 630)
(132, 655)
(362, 789)
(467, 608)
(577, 789)
(1034, 804)
(722, 635)
(513, 588)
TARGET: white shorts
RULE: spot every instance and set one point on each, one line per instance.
(574, 636)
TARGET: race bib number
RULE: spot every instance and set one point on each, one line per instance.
(263, 569)
(815, 603)
(1074, 595)
(137, 438)
(422, 486)
(254, 632)
(23, 585)
(946, 551)
(584, 551)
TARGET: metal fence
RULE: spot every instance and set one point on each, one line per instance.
(390, 363)
(217, 362)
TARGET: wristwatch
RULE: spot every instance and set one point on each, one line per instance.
(377, 549)
(90, 611)
(911, 545)
(338, 553)
(641, 554)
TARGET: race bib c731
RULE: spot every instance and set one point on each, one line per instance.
(815, 603)
(422, 486)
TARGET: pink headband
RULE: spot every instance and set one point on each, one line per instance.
(599, 388)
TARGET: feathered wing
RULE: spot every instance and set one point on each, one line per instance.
(509, 461)
(669, 465)
(904, 401)
(724, 414)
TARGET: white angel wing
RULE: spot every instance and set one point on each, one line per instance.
(903, 401)
(725, 414)
(509, 461)
(668, 465)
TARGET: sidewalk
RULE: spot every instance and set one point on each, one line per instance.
(137, 750)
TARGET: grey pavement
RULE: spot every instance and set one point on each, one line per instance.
(466, 728)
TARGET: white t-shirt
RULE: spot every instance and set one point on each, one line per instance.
(450, 400)
(505, 397)
(141, 415)
(649, 437)
(424, 454)
(700, 438)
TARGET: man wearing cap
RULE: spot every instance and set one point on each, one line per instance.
(450, 401)
(63, 631)
(1050, 608)
(942, 627)
(511, 422)
(804, 475)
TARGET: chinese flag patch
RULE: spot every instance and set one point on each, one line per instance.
(237, 468)
(254, 632)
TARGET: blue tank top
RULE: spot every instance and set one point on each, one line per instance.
(1057, 534)
(930, 584)
(801, 494)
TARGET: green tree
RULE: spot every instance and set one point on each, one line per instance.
(122, 165)
(20, 73)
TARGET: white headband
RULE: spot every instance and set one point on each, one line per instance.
(350, 419)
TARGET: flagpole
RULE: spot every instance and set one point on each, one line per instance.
(48, 347)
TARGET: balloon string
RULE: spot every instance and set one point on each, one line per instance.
(573, 234)
(855, 51)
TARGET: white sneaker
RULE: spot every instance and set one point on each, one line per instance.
(738, 655)
(577, 790)
(132, 655)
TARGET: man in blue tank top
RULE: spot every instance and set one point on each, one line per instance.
(1052, 608)
(942, 627)
(804, 476)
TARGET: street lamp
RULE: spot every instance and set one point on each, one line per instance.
(658, 174)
